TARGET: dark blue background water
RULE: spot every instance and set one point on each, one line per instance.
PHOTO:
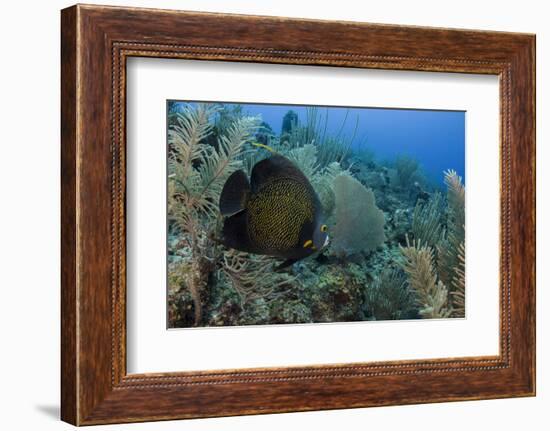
(435, 138)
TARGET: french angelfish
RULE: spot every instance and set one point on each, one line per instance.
(277, 213)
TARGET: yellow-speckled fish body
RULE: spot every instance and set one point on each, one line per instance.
(277, 214)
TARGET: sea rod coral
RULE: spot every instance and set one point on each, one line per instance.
(197, 174)
(435, 261)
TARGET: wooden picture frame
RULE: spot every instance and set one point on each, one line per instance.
(96, 41)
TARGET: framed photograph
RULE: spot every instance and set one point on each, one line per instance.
(264, 215)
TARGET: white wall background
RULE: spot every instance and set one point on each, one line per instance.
(29, 215)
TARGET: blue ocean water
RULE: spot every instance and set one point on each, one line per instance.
(435, 138)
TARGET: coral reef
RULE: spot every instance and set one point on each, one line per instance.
(397, 243)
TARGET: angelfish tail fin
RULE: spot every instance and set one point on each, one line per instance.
(235, 233)
(235, 194)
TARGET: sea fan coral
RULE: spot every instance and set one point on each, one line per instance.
(359, 222)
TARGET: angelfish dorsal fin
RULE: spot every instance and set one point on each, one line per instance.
(273, 167)
(235, 194)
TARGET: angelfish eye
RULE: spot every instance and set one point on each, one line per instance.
(324, 228)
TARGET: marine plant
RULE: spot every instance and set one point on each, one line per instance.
(324, 186)
(359, 223)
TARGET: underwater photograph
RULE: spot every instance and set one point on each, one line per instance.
(294, 214)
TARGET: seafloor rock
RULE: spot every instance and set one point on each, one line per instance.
(337, 296)
(226, 314)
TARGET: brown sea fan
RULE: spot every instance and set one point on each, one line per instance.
(359, 222)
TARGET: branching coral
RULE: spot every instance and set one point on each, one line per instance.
(441, 293)
(388, 296)
(336, 148)
(314, 131)
(252, 276)
(306, 159)
(359, 222)
(427, 224)
(431, 293)
(459, 283)
(197, 172)
(456, 198)
(451, 248)
(331, 148)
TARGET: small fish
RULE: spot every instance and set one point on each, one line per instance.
(277, 213)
